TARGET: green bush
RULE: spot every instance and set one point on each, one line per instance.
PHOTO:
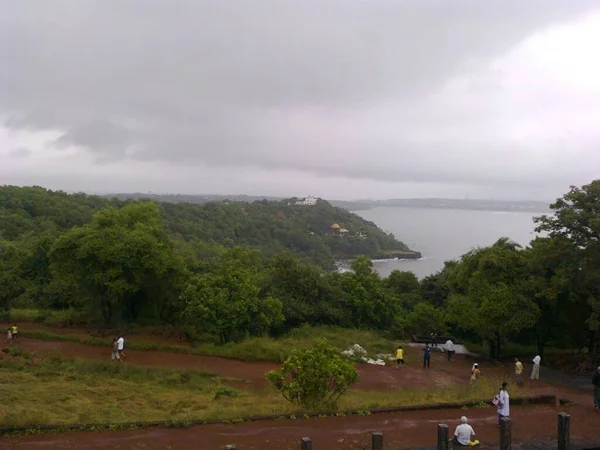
(314, 378)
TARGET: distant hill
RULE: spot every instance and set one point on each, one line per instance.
(320, 233)
(360, 205)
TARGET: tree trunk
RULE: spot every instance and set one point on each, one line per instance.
(492, 348)
(498, 346)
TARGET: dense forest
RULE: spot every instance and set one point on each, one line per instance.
(116, 263)
(269, 226)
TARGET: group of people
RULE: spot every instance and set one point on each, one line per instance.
(12, 333)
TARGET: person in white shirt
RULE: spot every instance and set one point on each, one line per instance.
(450, 349)
(463, 433)
(535, 373)
(504, 405)
(120, 347)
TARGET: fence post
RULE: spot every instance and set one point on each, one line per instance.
(230, 447)
(505, 434)
(377, 441)
(442, 437)
(564, 435)
(306, 443)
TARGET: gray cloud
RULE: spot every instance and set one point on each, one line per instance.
(267, 83)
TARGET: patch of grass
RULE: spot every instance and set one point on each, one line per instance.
(53, 390)
(47, 317)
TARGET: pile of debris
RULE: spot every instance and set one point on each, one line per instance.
(357, 351)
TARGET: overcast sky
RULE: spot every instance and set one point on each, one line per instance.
(337, 98)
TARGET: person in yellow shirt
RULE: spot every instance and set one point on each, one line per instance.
(519, 372)
(14, 331)
(399, 356)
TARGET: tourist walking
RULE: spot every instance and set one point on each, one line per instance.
(120, 347)
(475, 373)
(535, 372)
(115, 351)
(399, 356)
(450, 349)
(502, 402)
(426, 356)
(8, 339)
(596, 385)
(519, 372)
(463, 434)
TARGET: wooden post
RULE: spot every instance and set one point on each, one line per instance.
(505, 434)
(442, 438)
(564, 434)
(306, 443)
(377, 441)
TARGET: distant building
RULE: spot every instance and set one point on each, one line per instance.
(307, 201)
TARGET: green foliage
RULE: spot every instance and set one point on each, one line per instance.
(575, 224)
(123, 263)
(426, 319)
(229, 301)
(314, 378)
(488, 293)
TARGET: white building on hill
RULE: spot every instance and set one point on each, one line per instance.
(307, 201)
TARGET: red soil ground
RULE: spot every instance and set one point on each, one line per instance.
(401, 430)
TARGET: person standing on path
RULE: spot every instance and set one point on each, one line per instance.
(450, 349)
(426, 356)
(475, 373)
(399, 356)
(596, 385)
(115, 351)
(535, 372)
(503, 403)
(519, 372)
(14, 331)
(120, 347)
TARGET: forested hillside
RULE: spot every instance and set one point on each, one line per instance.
(117, 263)
(269, 226)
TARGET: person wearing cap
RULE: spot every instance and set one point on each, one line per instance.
(596, 385)
(463, 434)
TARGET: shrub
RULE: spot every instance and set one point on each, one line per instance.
(315, 377)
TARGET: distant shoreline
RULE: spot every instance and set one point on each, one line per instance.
(455, 207)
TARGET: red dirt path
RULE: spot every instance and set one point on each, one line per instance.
(371, 377)
(401, 430)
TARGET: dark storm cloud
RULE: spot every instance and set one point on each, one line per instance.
(250, 83)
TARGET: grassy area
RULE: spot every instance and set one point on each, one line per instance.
(251, 349)
(47, 317)
(52, 390)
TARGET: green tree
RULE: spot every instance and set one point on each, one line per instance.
(229, 300)
(552, 265)
(371, 305)
(576, 220)
(314, 378)
(489, 293)
(426, 319)
(11, 285)
(306, 293)
(434, 288)
(405, 287)
(123, 261)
